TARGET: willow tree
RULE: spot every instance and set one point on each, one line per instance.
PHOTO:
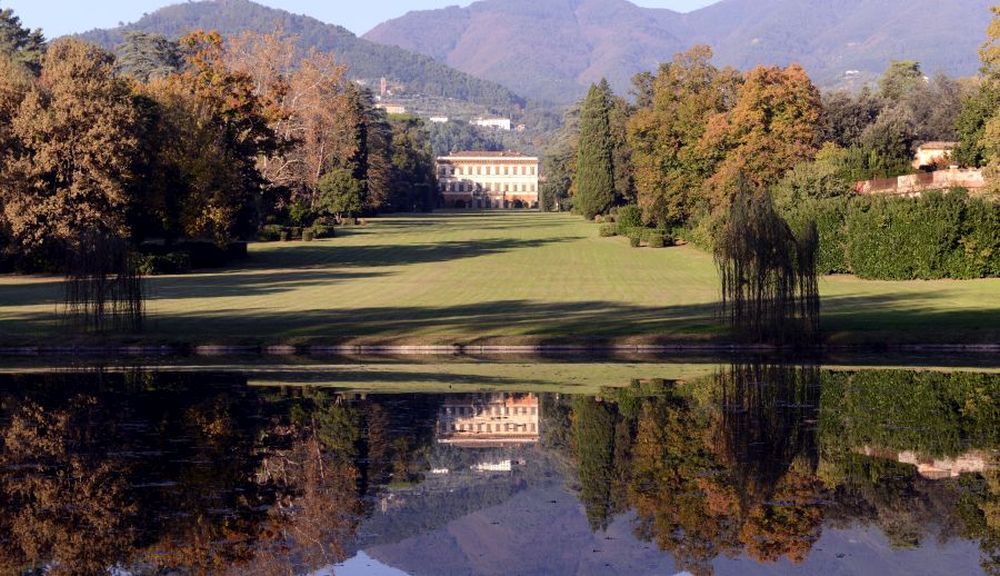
(768, 273)
(104, 287)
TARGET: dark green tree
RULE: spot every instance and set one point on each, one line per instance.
(414, 185)
(143, 56)
(977, 109)
(846, 116)
(595, 174)
(900, 77)
(20, 44)
(889, 142)
(621, 152)
(594, 429)
(448, 137)
(340, 193)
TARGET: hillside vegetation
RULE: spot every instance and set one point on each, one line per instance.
(554, 49)
(366, 60)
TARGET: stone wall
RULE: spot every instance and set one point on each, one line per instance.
(912, 184)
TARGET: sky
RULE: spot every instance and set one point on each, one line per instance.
(60, 17)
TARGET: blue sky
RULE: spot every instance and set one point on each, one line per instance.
(59, 17)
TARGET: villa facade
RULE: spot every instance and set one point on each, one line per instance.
(489, 420)
(488, 180)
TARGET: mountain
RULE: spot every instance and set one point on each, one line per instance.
(553, 49)
(366, 60)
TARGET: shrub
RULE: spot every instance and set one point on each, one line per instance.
(628, 217)
(270, 233)
(295, 233)
(608, 230)
(285, 235)
(902, 239)
(321, 231)
(307, 235)
(158, 264)
(657, 241)
(634, 240)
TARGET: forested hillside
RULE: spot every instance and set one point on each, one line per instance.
(554, 49)
(366, 60)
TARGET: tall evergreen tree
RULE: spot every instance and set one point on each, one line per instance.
(143, 56)
(595, 176)
(20, 44)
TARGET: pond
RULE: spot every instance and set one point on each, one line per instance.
(738, 468)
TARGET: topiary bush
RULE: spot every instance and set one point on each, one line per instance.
(270, 233)
(627, 218)
(307, 235)
(285, 235)
(608, 230)
(322, 231)
(657, 241)
(159, 264)
(634, 240)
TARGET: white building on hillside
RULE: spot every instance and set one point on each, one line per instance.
(496, 123)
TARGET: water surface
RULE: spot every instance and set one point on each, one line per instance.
(747, 468)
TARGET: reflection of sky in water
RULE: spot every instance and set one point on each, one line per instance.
(543, 531)
(361, 565)
(846, 472)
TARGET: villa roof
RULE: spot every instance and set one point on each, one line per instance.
(938, 145)
(486, 154)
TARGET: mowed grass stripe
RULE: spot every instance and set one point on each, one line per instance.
(493, 277)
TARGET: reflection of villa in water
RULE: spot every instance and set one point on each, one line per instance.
(976, 461)
(488, 420)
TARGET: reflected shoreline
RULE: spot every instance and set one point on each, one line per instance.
(427, 467)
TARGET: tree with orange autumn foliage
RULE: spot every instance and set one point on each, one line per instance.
(665, 130)
(308, 106)
(69, 139)
(774, 125)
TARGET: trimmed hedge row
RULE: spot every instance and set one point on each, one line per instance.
(190, 254)
(277, 232)
(638, 235)
(891, 238)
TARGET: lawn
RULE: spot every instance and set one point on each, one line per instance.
(492, 278)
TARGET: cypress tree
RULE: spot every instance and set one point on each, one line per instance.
(595, 169)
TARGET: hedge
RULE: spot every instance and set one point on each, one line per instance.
(894, 238)
(200, 253)
(627, 218)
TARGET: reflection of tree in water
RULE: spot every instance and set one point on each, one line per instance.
(191, 474)
(767, 442)
(755, 460)
(713, 471)
(871, 419)
(62, 504)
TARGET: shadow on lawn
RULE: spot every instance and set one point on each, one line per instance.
(352, 377)
(286, 268)
(197, 285)
(899, 318)
(507, 317)
(331, 254)
(592, 321)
